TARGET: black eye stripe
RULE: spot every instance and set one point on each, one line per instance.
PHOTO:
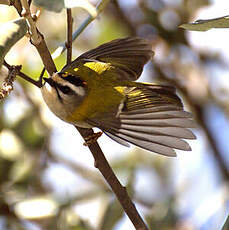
(75, 80)
(65, 89)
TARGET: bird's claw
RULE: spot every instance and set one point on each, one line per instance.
(92, 138)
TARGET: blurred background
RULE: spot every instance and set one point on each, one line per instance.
(47, 177)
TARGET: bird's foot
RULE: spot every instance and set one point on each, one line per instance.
(92, 138)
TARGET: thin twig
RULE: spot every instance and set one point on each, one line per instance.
(41, 76)
(24, 76)
(120, 191)
(7, 85)
(69, 36)
(17, 5)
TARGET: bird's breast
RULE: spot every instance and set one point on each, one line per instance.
(51, 99)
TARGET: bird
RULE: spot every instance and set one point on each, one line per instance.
(99, 89)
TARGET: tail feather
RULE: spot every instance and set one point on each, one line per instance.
(151, 119)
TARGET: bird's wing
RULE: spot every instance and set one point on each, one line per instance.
(151, 118)
(127, 56)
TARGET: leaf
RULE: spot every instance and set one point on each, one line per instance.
(226, 224)
(204, 25)
(11, 32)
(58, 5)
(51, 5)
(82, 4)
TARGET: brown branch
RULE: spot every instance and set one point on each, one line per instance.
(45, 55)
(17, 5)
(7, 85)
(69, 36)
(37, 39)
(120, 191)
(22, 75)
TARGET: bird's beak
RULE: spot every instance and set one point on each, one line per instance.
(49, 81)
(45, 79)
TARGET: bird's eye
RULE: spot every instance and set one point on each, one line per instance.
(75, 80)
(65, 89)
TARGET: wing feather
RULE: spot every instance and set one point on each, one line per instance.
(140, 114)
(165, 140)
(148, 145)
(126, 55)
(117, 139)
(170, 122)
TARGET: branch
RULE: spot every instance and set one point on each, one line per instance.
(17, 5)
(34, 35)
(37, 39)
(22, 75)
(120, 191)
(7, 85)
(68, 44)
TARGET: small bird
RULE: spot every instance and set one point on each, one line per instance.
(98, 90)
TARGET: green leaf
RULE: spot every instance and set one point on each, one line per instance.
(226, 224)
(51, 5)
(58, 5)
(11, 32)
(82, 4)
(204, 25)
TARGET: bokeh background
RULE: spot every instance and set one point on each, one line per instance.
(47, 177)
